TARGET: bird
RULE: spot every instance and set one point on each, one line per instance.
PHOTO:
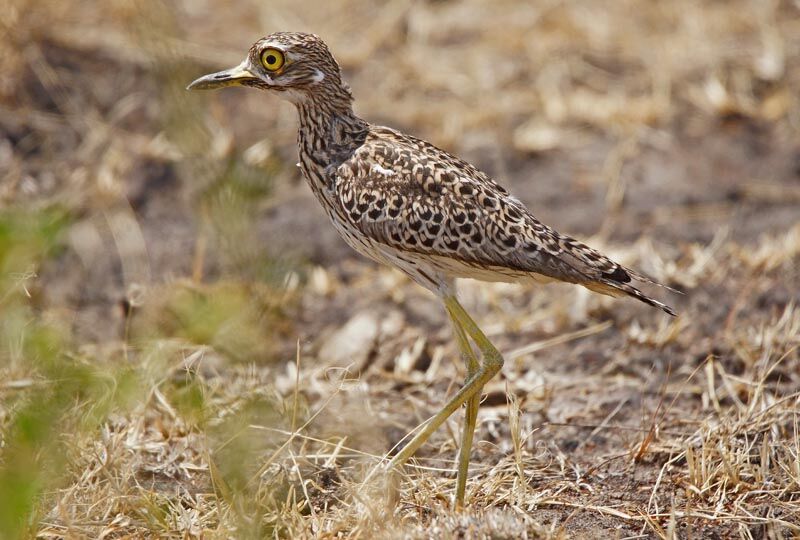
(406, 203)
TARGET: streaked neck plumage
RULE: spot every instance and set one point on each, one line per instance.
(329, 130)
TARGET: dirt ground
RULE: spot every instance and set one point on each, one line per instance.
(193, 273)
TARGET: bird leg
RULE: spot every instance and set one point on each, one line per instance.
(470, 415)
(490, 364)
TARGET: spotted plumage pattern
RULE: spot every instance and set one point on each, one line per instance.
(444, 218)
(404, 202)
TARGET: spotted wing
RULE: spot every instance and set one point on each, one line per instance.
(406, 193)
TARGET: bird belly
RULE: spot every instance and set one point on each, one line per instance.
(458, 268)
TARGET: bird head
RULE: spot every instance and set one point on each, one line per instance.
(295, 65)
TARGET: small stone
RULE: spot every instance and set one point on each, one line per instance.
(351, 344)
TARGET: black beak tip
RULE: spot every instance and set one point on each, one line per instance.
(195, 85)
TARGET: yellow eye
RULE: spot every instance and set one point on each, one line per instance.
(272, 59)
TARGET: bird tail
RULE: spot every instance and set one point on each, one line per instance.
(638, 276)
(615, 288)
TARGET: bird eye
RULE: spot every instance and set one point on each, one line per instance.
(272, 59)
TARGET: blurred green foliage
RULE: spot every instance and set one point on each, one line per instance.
(57, 391)
(238, 451)
(25, 239)
(238, 320)
(39, 386)
(52, 391)
(231, 204)
(48, 392)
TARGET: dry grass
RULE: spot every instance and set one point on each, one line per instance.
(186, 349)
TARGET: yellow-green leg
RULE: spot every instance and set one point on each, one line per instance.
(471, 414)
(490, 364)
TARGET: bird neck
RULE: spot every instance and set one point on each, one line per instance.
(329, 130)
